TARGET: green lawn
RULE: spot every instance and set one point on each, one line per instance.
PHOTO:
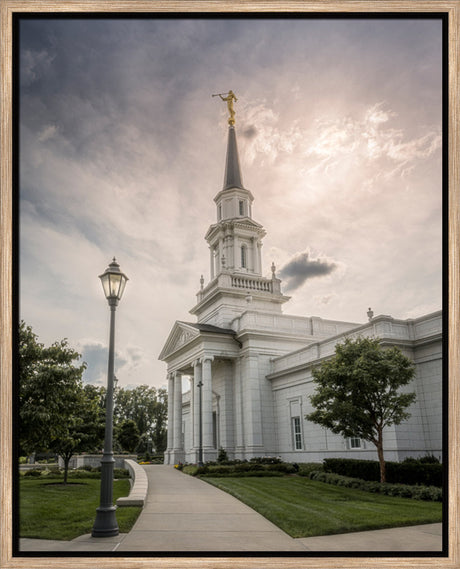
(304, 508)
(53, 511)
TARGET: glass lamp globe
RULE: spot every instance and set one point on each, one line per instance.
(113, 281)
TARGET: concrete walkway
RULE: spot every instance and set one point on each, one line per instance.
(185, 514)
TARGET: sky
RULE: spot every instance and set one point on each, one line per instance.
(122, 150)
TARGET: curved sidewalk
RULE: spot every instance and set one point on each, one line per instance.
(183, 513)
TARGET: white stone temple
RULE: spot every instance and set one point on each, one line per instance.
(252, 364)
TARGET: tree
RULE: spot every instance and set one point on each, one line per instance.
(147, 407)
(357, 391)
(84, 431)
(128, 435)
(49, 389)
(56, 411)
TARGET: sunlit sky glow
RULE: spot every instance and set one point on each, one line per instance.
(122, 151)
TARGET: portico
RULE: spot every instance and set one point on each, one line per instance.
(202, 355)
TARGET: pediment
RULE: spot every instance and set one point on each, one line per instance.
(181, 334)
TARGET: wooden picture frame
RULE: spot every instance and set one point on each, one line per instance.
(10, 7)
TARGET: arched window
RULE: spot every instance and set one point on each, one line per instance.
(243, 256)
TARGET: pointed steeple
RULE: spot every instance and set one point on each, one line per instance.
(232, 177)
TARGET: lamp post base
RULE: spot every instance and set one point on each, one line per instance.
(105, 524)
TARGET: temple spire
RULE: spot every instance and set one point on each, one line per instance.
(232, 178)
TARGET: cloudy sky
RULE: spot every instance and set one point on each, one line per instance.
(122, 151)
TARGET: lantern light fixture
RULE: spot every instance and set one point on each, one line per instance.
(113, 282)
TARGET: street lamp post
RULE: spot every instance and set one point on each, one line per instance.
(200, 416)
(105, 525)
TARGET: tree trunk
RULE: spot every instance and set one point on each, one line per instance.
(381, 458)
(66, 467)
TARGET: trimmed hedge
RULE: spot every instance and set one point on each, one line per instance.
(430, 493)
(257, 467)
(410, 471)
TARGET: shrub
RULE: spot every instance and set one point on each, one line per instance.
(307, 467)
(266, 460)
(80, 473)
(33, 473)
(121, 473)
(400, 490)
(190, 469)
(426, 471)
(222, 456)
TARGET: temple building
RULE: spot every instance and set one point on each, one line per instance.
(249, 365)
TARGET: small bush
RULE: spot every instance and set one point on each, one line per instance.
(33, 473)
(222, 456)
(121, 473)
(78, 474)
(307, 467)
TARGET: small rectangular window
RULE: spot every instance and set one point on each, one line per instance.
(220, 211)
(355, 442)
(296, 433)
(241, 205)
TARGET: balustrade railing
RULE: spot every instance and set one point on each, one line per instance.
(249, 283)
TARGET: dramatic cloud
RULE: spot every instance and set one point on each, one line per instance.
(122, 150)
(302, 267)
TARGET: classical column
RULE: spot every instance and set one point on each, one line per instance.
(170, 418)
(239, 422)
(178, 442)
(252, 407)
(236, 252)
(192, 415)
(196, 404)
(258, 253)
(208, 443)
(211, 259)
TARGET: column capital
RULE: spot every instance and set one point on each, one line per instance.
(177, 374)
(197, 362)
(205, 358)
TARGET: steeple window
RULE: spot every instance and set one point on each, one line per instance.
(241, 207)
(219, 212)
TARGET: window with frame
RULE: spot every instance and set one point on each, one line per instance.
(219, 209)
(296, 433)
(241, 207)
(355, 442)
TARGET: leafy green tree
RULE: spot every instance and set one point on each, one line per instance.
(147, 407)
(85, 428)
(357, 391)
(49, 390)
(128, 435)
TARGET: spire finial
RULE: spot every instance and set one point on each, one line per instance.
(230, 97)
(201, 282)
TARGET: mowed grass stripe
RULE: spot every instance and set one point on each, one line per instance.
(306, 508)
